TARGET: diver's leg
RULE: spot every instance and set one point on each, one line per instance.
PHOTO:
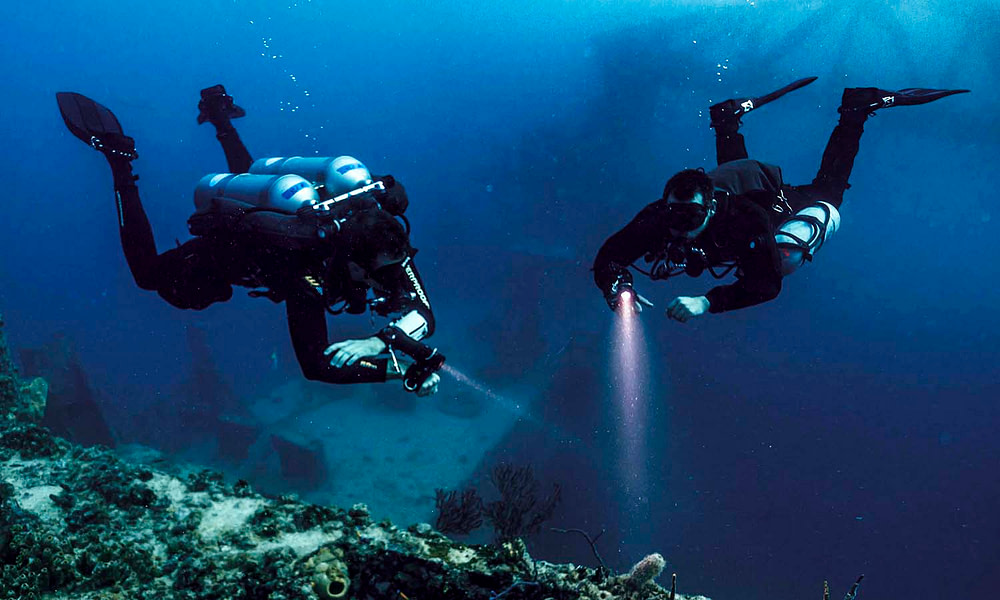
(197, 273)
(729, 142)
(216, 107)
(237, 156)
(99, 128)
(189, 276)
(133, 227)
(838, 159)
(856, 105)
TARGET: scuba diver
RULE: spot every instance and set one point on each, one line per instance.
(741, 217)
(316, 233)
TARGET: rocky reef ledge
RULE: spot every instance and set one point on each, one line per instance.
(80, 523)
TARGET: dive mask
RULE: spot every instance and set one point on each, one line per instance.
(685, 216)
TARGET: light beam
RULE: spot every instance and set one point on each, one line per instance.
(630, 385)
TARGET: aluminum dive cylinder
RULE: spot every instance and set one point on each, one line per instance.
(804, 233)
(318, 169)
(282, 193)
(331, 175)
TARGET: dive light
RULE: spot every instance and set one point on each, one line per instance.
(420, 371)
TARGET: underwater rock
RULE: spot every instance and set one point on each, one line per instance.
(34, 399)
(302, 465)
(73, 411)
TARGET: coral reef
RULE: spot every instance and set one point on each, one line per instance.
(81, 523)
(518, 512)
(19, 400)
(458, 513)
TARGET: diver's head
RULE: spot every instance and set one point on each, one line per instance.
(375, 239)
(346, 173)
(690, 203)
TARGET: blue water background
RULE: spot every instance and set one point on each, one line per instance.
(847, 427)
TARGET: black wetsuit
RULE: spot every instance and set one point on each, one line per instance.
(741, 233)
(203, 270)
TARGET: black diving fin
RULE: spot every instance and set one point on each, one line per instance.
(95, 125)
(871, 99)
(734, 109)
(216, 105)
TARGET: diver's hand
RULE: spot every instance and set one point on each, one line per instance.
(641, 301)
(628, 296)
(683, 308)
(348, 352)
(430, 385)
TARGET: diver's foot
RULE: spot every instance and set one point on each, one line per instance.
(727, 114)
(868, 100)
(217, 107)
(116, 147)
(96, 126)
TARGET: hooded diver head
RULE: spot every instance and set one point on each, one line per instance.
(690, 203)
(346, 173)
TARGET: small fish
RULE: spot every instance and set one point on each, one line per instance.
(274, 360)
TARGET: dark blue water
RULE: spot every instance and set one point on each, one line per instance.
(847, 427)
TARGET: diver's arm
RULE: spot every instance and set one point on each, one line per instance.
(307, 326)
(643, 234)
(761, 280)
(406, 294)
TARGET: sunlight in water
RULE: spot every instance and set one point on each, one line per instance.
(629, 381)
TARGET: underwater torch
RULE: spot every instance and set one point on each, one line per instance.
(427, 360)
(419, 371)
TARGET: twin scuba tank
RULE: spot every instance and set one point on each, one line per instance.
(804, 233)
(317, 188)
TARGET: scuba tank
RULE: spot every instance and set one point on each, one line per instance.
(326, 173)
(338, 178)
(271, 205)
(804, 233)
(278, 193)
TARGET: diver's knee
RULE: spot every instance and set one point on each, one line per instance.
(146, 281)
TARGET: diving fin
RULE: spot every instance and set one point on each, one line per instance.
(731, 111)
(871, 99)
(95, 125)
(217, 105)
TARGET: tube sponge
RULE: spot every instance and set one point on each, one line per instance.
(645, 571)
(330, 580)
